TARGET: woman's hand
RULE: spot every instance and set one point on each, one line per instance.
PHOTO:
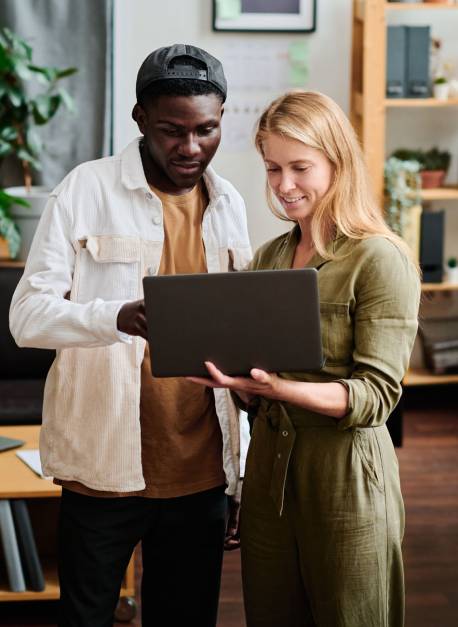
(260, 383)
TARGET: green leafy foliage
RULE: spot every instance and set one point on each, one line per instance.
(20, 113)
(433, 159)
(8, 229)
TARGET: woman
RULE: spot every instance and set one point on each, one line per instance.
(322, 513)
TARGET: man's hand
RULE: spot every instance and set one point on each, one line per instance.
(132, 319)
(232, 538)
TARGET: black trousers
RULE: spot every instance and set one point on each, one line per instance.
(182, 547)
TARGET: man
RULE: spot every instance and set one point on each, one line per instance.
(138, 458)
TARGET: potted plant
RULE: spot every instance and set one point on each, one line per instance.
(20, 114)
(441, 88)
(434, 164)
(452, 270)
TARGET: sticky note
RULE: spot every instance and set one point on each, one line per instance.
(298, 51)
(298, 54)
(229, 9)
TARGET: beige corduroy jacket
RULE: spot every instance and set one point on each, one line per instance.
(100, 232)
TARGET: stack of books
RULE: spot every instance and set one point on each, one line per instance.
(440, 343)
(20, 554)
(407, 67)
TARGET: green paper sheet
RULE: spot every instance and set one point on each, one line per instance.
(229, 9)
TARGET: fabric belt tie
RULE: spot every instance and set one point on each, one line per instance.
(277, 418)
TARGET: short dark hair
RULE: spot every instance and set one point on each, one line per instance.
(180, 86)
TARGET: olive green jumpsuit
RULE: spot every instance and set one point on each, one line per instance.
(322, 516)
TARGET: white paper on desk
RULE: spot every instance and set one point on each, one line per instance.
(31, 457)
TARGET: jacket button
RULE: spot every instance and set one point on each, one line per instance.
(284, 434)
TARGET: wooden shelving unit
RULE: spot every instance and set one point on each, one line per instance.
(421, 376)
(449, 192)
(369, 106)
(10, 263)
(369, 109)
(420, 102)
(439, 287)
(415, 6)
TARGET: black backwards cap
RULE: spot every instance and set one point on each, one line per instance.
(170, 63)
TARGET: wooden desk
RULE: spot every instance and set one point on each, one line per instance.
(18, 481)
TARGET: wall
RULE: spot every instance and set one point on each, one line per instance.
(142, 25)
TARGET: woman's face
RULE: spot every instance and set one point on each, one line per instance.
(299, 175)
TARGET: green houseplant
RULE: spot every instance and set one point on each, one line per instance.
(434, 164)
(21, 111)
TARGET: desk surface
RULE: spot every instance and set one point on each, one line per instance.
(17, 480)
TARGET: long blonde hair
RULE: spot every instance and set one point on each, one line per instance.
(349, 205)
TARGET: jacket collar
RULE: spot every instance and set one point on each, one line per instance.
(133, 174)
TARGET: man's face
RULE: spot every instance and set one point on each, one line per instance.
(181, 135)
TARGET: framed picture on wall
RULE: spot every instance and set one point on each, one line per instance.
(266, 16)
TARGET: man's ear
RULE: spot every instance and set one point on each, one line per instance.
(222, 110)
(139, 116)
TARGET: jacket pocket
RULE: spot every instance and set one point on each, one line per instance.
(107, 267)
(336, 333)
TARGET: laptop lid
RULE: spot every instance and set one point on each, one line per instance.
(269, 319)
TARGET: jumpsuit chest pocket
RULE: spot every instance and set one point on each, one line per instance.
(106, 267)
(336, 333)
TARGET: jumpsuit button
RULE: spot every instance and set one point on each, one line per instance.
(278, 455)
(284, 434)
(156, 220)
(149, 195)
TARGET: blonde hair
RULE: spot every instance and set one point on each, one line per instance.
(349, 205)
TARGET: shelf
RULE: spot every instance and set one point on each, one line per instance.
(50, 592)
(421, 376)
(10, 263)
(439, 287)
(415, 6)
(420, 102)
(440, 193)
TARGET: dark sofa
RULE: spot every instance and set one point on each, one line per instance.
(22, 370)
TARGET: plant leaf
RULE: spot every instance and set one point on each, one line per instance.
(34, 141)
(67, 72)
(67, 100)
(22, 69)
(8, 133)
(5, 148)
(25, 155)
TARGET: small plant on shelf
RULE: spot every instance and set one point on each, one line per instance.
(434, 164)
(402, 192)
(452, 270)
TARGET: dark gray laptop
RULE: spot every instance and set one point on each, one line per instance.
(268, 319)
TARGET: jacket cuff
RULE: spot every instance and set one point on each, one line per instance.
(108, 323)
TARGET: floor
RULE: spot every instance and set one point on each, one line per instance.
(429, 474)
